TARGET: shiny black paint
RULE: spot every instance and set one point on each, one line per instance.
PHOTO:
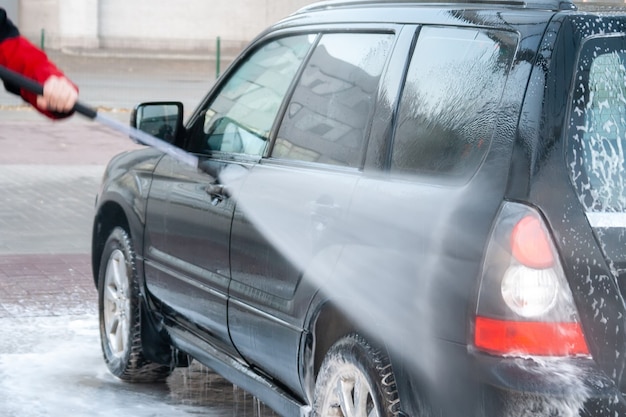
(539, 170)
(267, 329)
(270, 301)
(122, 199)
(186, 248)
(581, 255)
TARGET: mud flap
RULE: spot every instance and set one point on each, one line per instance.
(155, 345)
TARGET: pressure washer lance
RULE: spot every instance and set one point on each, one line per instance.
(139, 136)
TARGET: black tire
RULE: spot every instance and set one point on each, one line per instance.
(352, 366)
(119, 309)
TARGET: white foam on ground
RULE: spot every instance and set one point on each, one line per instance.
(53, 367)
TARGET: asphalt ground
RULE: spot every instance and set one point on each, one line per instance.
(49, 175)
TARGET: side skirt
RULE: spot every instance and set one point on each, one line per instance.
(239, 374)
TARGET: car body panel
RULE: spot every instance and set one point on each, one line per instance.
(586, 266)
(268, 298)
(258, 282)
(186, 251)
(125, 186)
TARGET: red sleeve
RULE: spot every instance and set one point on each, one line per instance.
(18, 54)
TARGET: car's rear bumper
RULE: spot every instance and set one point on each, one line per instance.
(546, 387)
(455, 382)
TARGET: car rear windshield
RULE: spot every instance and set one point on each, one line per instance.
(598, 125)
(450, 102)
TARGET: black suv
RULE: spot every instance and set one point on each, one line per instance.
(400, 209)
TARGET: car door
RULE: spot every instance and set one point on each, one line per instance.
(291, 203)
(190, 210)
(419, 227)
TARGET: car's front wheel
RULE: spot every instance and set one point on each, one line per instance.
(355, 380)
(119, 307)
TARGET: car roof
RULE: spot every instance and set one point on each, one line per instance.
(517, 15)
(513, 15)
(526, 4)
(601, 7)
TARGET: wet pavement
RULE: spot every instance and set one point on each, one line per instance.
(50, 359)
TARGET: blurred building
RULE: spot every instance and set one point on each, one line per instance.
(181, 25)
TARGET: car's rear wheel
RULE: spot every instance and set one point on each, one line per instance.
(119, 306)
(355, 380)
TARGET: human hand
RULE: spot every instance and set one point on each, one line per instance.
(59, 95)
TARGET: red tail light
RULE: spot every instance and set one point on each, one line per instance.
(530, 338)
(525, 305)
(530, 245)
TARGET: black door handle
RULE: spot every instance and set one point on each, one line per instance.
(217, 192)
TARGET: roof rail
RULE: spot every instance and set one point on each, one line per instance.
(529, 4)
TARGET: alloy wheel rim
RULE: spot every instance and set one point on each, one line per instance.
(117, 303)
(350, 395)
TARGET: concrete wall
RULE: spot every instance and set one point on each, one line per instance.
(149, 24)
(78, 23)
(11, 7)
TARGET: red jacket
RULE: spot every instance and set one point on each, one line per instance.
(18, 54)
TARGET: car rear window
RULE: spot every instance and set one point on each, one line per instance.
(598, 125)
(450, 101)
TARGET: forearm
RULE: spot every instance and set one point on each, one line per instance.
(18, 54)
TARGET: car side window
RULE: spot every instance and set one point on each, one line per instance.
(449, 103)
(240, 117)
(597, 143)
(328, 117)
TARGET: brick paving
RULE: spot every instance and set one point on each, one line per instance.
(26, 138)
(49, 176)
(50, 172)
(42, 285)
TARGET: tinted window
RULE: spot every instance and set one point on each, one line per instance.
(240, 118)
(329, 114)
(598, 125)
(448, 106)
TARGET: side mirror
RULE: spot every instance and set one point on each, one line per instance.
(163, 120)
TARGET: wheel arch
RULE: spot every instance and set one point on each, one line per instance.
(326, 324)
(156, 344)
(109, 216)
(329, 325)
